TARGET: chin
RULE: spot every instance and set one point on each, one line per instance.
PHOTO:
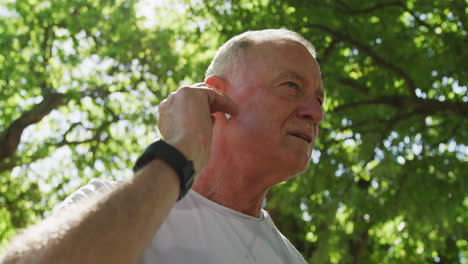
(302, 169)
(299, 161)
(296, 167)
(291, 175)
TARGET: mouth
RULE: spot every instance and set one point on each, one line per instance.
(302, 136)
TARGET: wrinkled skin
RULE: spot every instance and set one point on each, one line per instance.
(279, 93)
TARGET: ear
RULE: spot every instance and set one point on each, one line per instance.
(221, 85)
(217, 82)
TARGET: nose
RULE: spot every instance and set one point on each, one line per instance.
(311, 110)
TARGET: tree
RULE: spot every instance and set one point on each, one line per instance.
(386, 183)
(73, 76)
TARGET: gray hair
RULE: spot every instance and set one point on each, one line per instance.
(231, 55)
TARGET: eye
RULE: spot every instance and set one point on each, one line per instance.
(320, 100)
(292, 85)
(293, 88)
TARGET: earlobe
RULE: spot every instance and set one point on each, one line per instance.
(217, 82)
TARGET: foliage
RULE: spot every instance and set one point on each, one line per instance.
(73, 77)
(80, 83)
(387, 183)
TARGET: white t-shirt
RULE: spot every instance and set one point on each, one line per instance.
(200, 231)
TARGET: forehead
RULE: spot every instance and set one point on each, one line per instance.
(276, 45)
(284, 59)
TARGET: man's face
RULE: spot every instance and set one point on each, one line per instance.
(279, 92)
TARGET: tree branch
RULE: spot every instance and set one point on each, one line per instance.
(354, 84)
(4, 166)
(411, 87)
(351, 11)
(95, 138)
(422, 106)
(384, 100)
(358, 247)
(327, 52)
(10, 138)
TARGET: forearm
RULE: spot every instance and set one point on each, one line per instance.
(119, 227)
(115, 230)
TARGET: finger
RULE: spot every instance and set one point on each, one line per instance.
(198, 85)
(213, 119)
(220, 102)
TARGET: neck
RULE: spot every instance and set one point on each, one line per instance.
(240, 188)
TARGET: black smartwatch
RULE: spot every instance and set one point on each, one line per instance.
(173, 158)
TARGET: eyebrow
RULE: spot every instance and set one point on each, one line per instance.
(290, 74)
(297, 76)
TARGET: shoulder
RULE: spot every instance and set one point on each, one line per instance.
(297, 256)
(293, 252)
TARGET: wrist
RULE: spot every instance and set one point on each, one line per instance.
(173, 158)
(192, 154)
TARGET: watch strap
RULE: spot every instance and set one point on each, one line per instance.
(172, 157)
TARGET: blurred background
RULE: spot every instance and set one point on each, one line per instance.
(81, 80)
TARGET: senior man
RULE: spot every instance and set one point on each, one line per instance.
(250, 125)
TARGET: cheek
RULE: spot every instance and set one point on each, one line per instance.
(262, 115)
(258, 124)
(264, 118)
(258, 130)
